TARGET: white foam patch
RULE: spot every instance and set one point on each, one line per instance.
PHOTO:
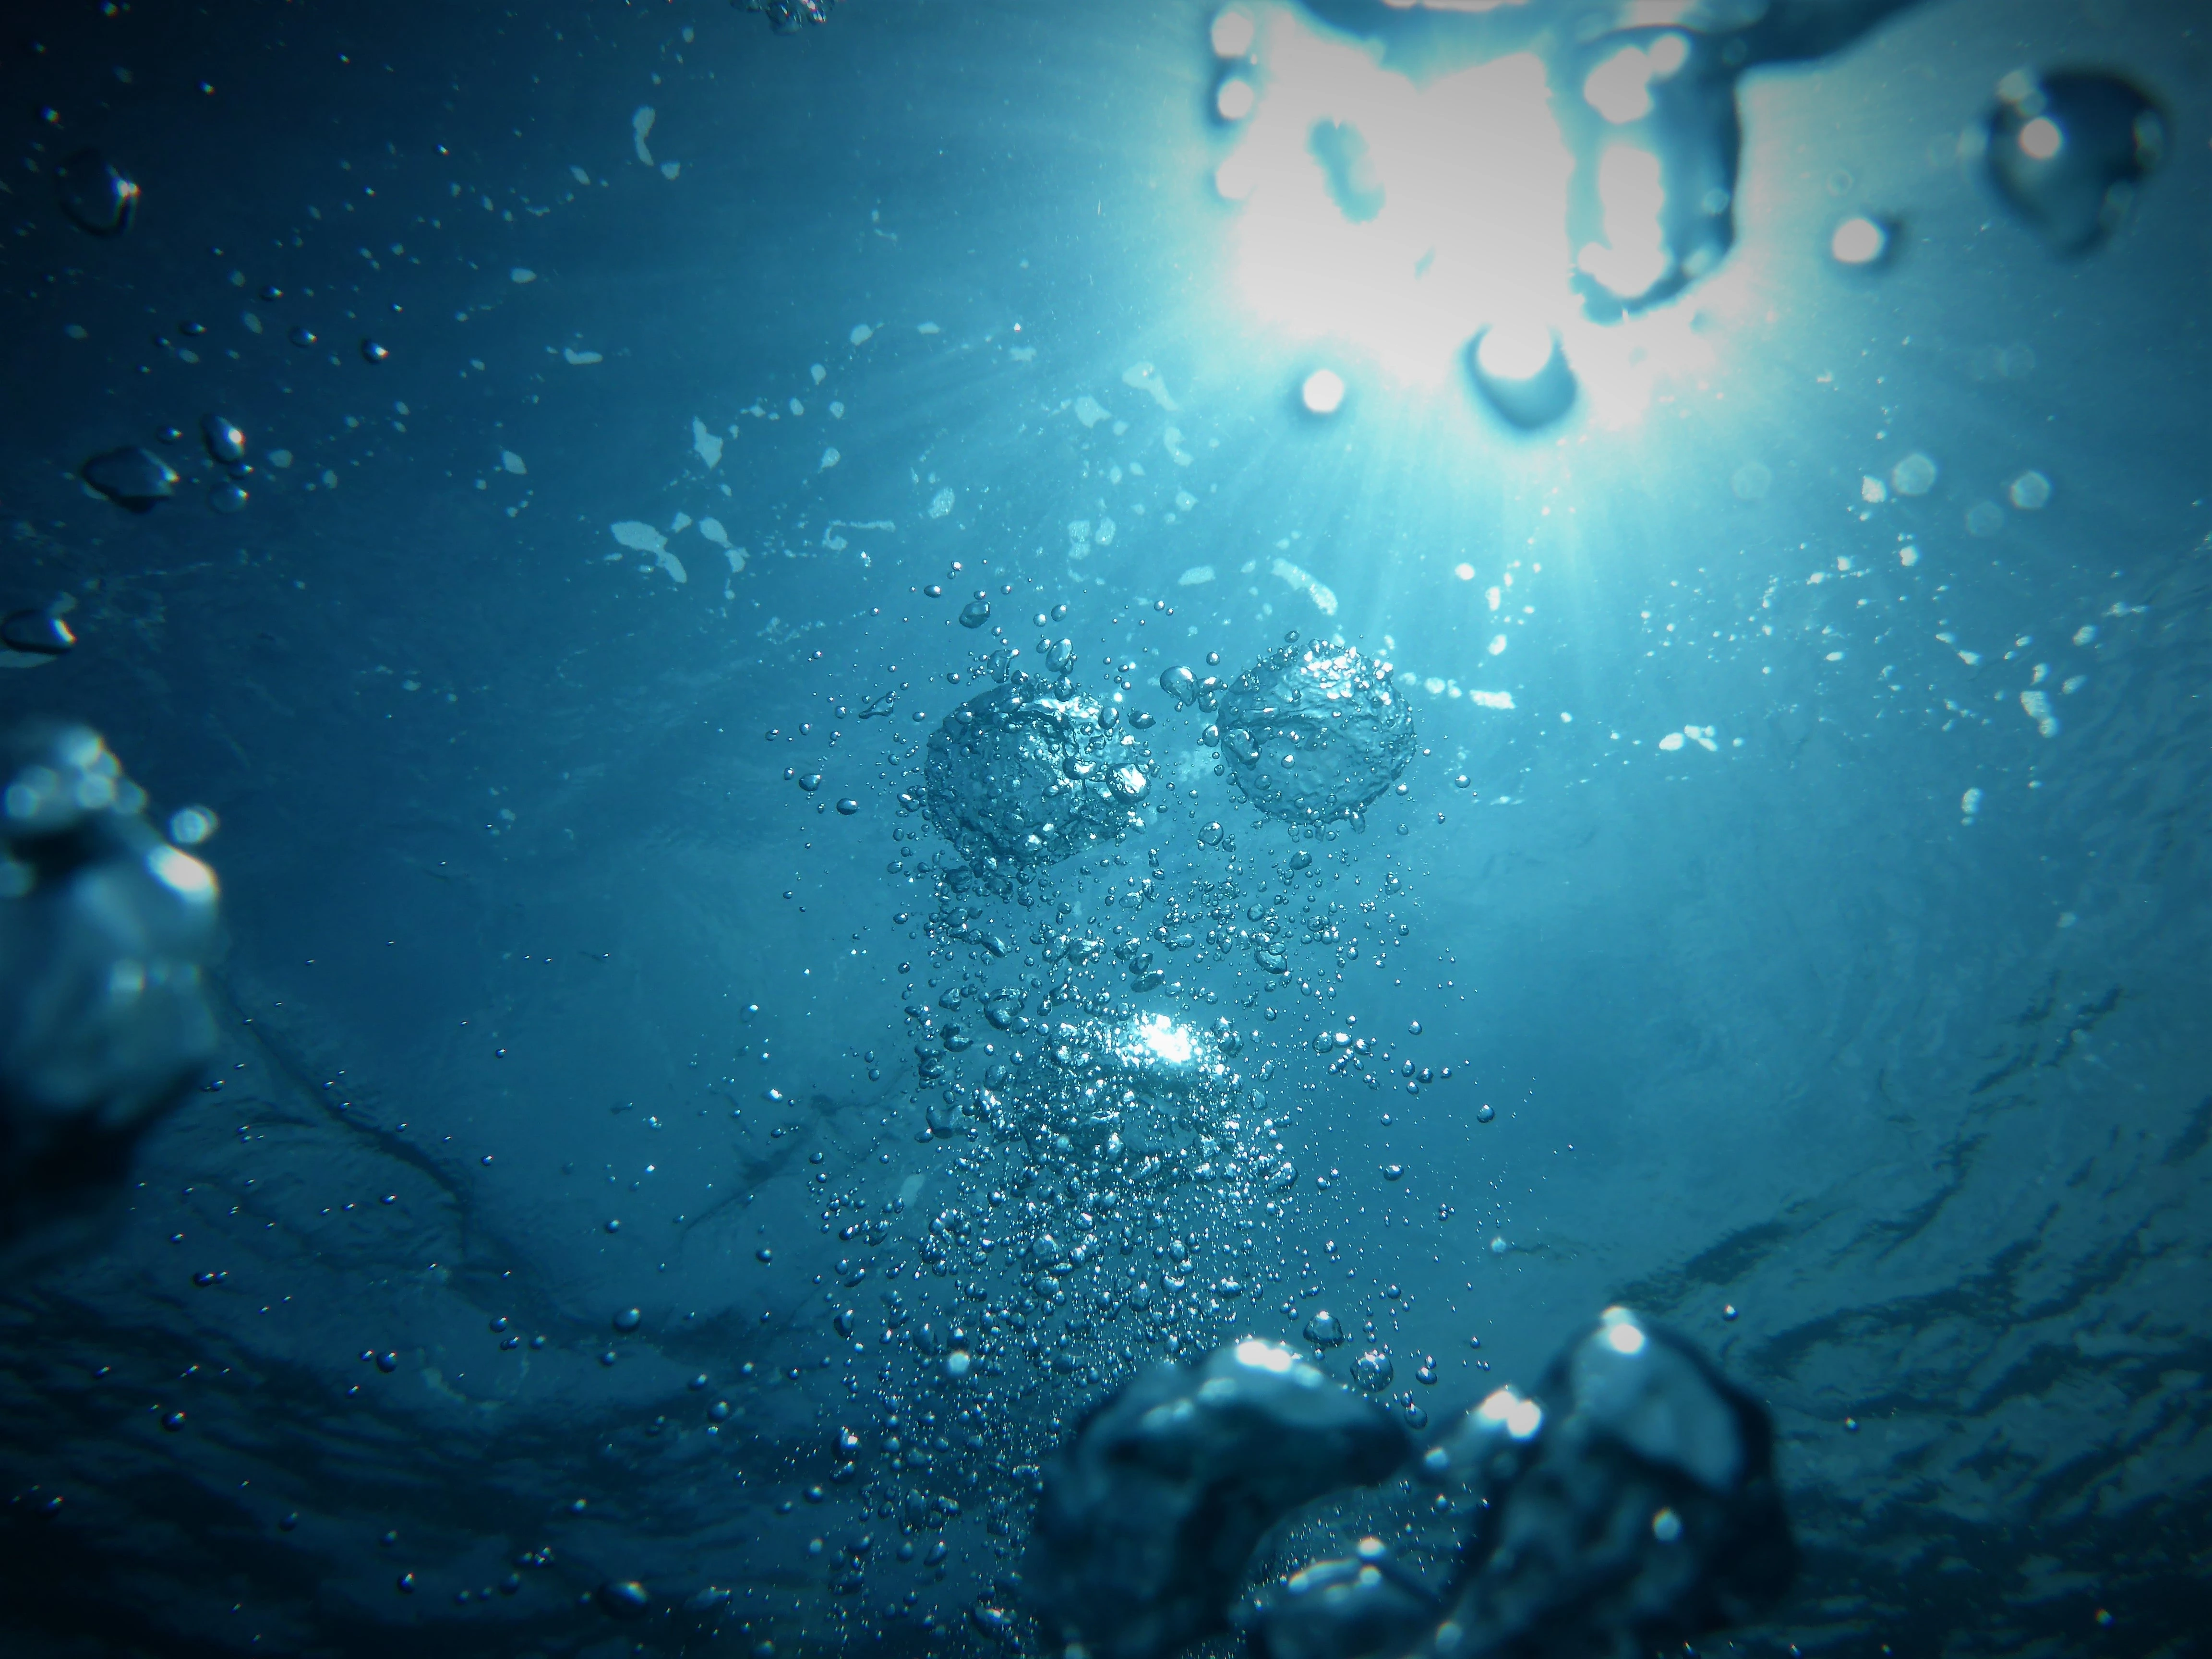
(705, 444)
(861, 334)
(712, 530)
(633, 532)
(670, 169)
(1491, 699)
(511, 462)
(829, 459)
(1147, 380)
(641, 124)
(679, 524)
(576, 356)
(579, 175)
(1198, 575)
(927, 328)
(1091, 411)
(1104, 534)
(522, 274)
(1173, 438)
(1323, 597)
(736, 556)
(672, 565)
(940, 503)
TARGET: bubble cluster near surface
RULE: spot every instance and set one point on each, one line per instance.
(1032, 771)
(1313, 732)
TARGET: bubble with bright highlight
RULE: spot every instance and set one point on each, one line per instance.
(1861, 243)
(1322, 393)
(1232, 34)
(1523, 373)
(1170, 1040)
(1234, 97)
(2070, 152)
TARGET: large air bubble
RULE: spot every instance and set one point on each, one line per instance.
(2069, 151)
(1313, 732)
(1032, 771)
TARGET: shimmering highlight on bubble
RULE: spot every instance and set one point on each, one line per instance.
(1323, 393)
(1858, 241)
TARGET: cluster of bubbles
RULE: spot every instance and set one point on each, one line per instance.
(1627, 1503)
(99, 197)
(785, 16)
(103, 927)
(1034, 770)
(1312, 733)
(138, 480)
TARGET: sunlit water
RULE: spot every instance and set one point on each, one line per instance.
(1792, 923)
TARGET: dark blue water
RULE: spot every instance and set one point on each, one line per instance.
(1823, 919)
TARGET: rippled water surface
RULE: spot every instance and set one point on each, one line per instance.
(646, 1148)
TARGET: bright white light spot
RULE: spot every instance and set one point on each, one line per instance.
(1170, 1040)
(1669, 53)
(2041, 139)
(1265, 1356)
(1622, 1337)
(1497, 646)
(1460, 201)
(1514, 351)
(1858, 242)
(1971, 802)
(1323, 392)
(1908, 556)
(1671, 742)
(1232, 33)
(1633, 193)
(1873, 490)
(1234, 99)
(957, 1364)
(182, 872)
(1500, 1405)
(1620, 88)
(1464, 571)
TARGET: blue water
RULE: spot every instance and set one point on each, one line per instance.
(1834, 1002)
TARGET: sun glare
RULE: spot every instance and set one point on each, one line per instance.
(1403, 222)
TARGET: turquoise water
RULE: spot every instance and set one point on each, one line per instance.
(1817, 943)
